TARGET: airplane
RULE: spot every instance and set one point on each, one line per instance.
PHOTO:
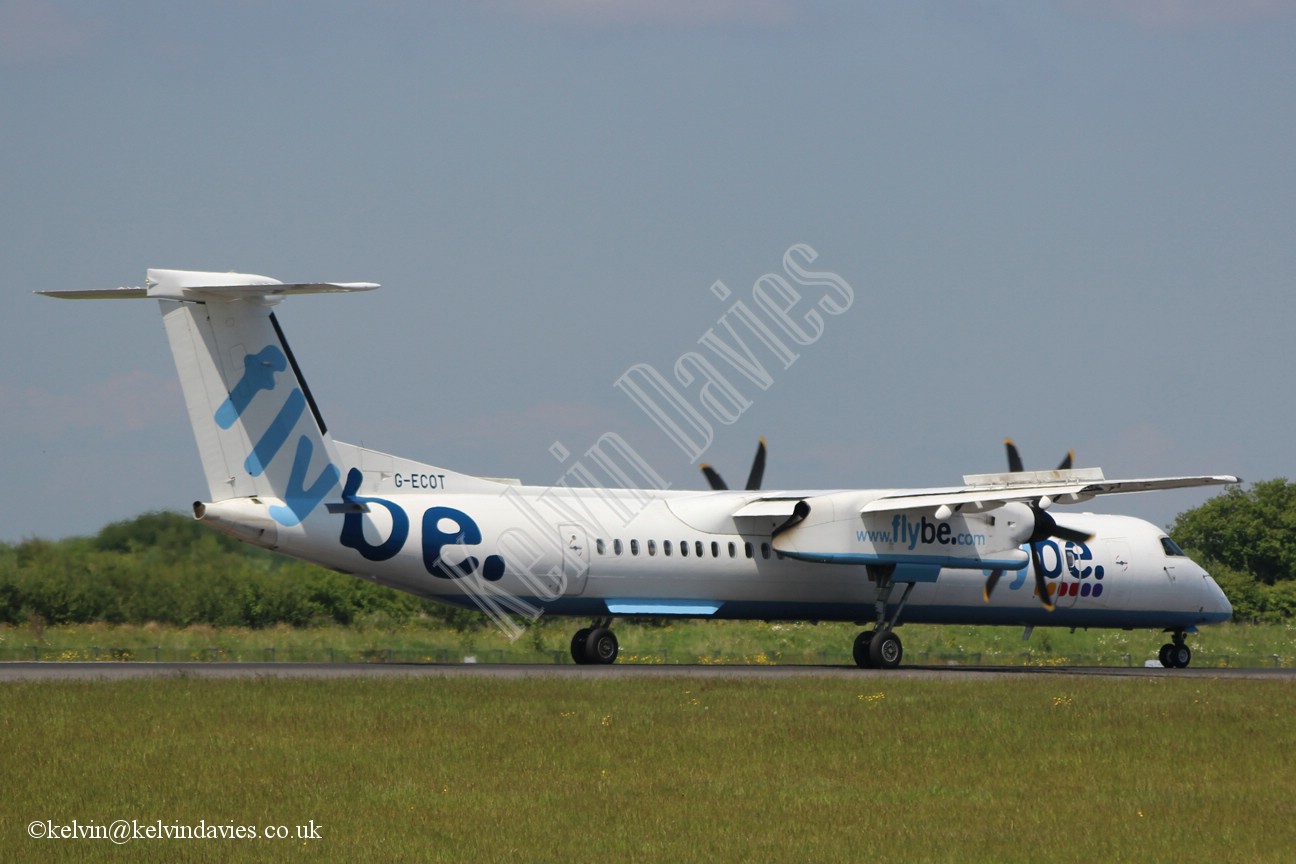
(880, 558)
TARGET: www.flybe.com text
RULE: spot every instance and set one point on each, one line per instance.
(906, 533)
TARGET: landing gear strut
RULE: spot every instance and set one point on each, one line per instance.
(881, 648)
(1175, 655)
(595, 645)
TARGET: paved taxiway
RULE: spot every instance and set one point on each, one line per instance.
(119, 671)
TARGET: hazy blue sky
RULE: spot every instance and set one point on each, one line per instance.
(1068, 222)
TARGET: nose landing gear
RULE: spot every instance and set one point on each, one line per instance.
(1176, 654)
(595, 645)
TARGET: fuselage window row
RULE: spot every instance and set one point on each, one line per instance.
(699, 550)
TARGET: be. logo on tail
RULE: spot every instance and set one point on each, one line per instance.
(442, 526)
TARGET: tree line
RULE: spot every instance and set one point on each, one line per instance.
(1246, 538)
(166, 568)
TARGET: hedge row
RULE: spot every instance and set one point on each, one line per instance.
(166, 568)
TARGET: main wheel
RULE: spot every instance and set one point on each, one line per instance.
(1180, 656)
(885, 650)
(861, 650)
(578, 646)
(1166, 655)
(601, 646)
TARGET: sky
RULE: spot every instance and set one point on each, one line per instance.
(1070, 223)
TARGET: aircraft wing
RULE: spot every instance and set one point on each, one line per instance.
(986, 491)
(980, 525)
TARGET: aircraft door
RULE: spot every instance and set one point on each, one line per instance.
(1116, 564)
(576, 558)
(1119, 554)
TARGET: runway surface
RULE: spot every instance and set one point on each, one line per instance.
(120, 671)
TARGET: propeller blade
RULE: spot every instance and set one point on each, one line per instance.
(1045, 525)
(754, 477)
(1014, 458)
(990, 584)
(1070, 534)
(1015, 462)
(1041, 587)
(758, 467)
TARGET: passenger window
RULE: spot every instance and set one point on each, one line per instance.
(652, 547)
(1172, 548)
(715, 549)
(765, 550)
(634, 547)
(666, 546)
(747, 549)
(598, 544)
(683, 548)
(697, 547)
(616, 546)
(733, 552)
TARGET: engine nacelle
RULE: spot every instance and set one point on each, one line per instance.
(832, 529)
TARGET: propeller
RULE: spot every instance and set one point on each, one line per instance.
(1045, 527)
(754, 477)
(1015, 462)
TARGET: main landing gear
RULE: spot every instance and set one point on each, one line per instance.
(878, 650)
(1175, 655)
(595, 645)
(881, 648)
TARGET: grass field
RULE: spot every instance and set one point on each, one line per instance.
(1026, 768)
(707, 642)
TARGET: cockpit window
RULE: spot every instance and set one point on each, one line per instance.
(1171, 547)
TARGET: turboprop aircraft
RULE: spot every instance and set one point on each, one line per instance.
(278, 479)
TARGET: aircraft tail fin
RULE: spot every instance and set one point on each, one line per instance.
(259, 431)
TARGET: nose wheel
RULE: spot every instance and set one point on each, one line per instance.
(1176, 654)
(595, 645)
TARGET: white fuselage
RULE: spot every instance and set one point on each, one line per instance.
(600, 552)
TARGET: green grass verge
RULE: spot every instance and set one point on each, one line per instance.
(683, 769)
(687, 642)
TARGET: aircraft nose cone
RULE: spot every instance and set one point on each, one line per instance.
(1216, 606)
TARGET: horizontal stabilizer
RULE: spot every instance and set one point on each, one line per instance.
(203, 286)
(97, 294)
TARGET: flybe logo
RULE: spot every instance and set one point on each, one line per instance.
(300, 493)
(441, 526)
(1080, 577)
(1070, 570)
